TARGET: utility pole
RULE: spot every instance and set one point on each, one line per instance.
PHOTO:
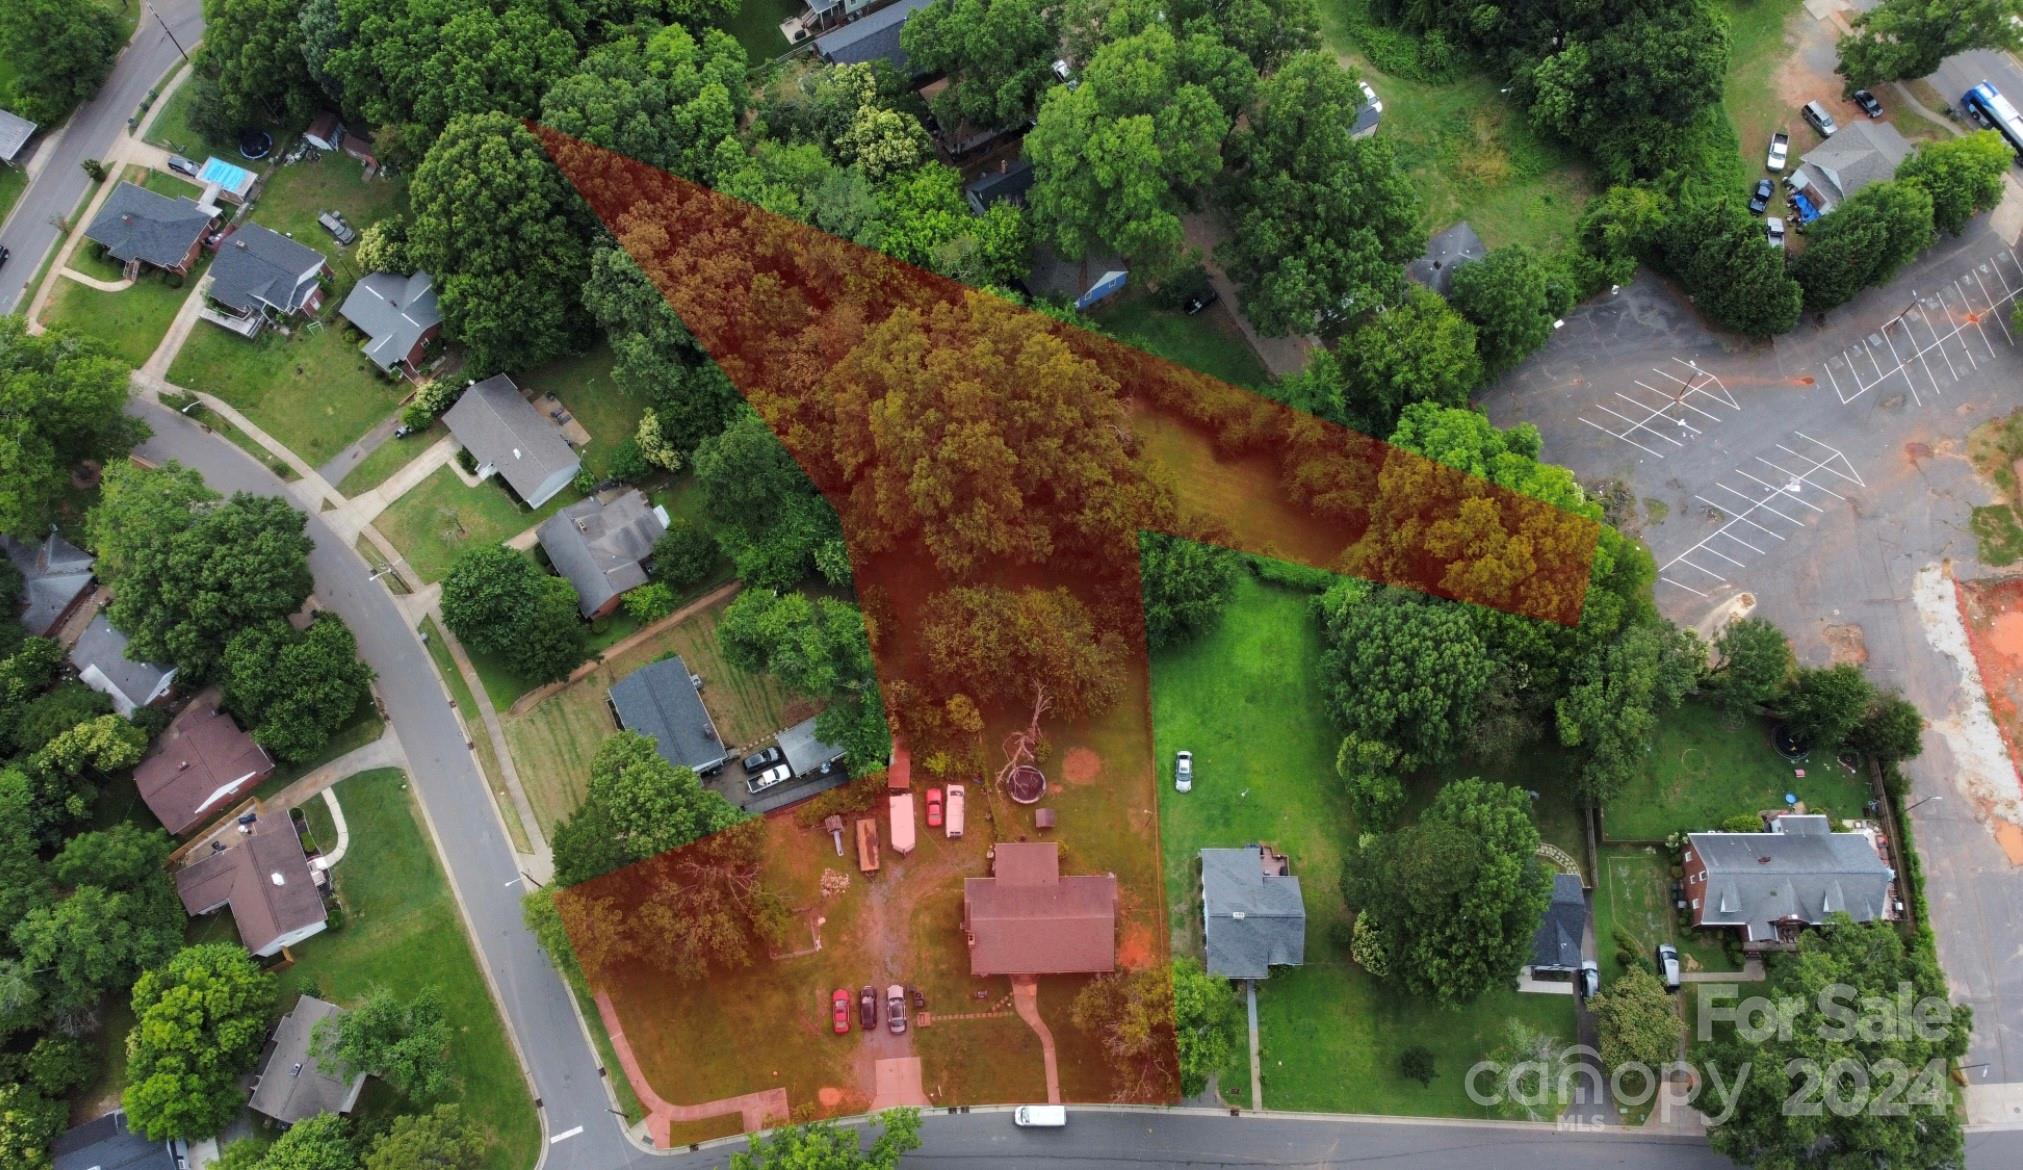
(171, 35)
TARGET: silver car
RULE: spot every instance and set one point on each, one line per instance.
(1183, 771)
(1773, 231)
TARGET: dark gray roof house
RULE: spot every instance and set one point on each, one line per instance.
(1556, 945)
(396, 314)
(1770, 886)
(15, 131)
(1863, 152)
(508, 437)
(261, 270)
(1444, 253)
(293, 1085)
(106, 1143)
(805, 750)
(661, 701)
(1251, 913)
(56, 575)
(1008, 184)
(870, 38)
(601, 547)
(137, 225)
(102, 663)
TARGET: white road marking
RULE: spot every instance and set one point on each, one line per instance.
(1758, 507)
(564, 1136)
(1957, 321)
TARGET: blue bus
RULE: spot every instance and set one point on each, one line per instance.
(1986, 105)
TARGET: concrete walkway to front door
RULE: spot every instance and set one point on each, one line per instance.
(1026, 1002)
(1256, 1049)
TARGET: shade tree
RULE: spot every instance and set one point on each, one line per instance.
(61, 399)
(200, 1019)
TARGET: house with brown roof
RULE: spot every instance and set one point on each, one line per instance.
(199, 766)
(1028, 919)
(264, 877)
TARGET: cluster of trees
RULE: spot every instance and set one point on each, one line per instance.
(818, 647)
(1163, 1029)
(496, 600)
(1898, 40)
(60, 406)
(208, 584)
(638, 805)
(1828, 707)
(60, 51)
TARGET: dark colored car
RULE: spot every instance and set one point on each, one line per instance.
(764, 758)
(867, 1007)
(182, 166)
(4, 253)
(1201, 299)
(1759, 199)
(1868, 103)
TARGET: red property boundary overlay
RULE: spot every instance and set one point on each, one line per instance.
(921, 410)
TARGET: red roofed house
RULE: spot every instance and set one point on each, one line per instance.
(1026, 919)
(199, 766)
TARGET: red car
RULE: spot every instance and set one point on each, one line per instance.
(839, 1009)
(934, 808)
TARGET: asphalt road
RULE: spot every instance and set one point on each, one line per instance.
(1960, 73)
(581, 1133)
(60, 182)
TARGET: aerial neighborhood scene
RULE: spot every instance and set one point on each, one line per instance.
(992, 583)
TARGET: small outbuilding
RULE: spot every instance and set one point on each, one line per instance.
(600, 547)
(663, 702)
(292, 1084)
(806, 754)
(1445, 252)
(1555, 946)
(509, 438)
(102, 664)
(199, 766)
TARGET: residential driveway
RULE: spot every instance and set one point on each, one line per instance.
(1821, 474)
(59, 182)
(568, 1080)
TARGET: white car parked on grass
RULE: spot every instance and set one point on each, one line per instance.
(1183, 771)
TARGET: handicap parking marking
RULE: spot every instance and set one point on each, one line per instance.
(1665, 411)
(1761, 510)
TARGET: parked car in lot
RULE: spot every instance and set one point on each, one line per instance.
(1668, 966)
(895, 1008)
(1780, 150)
(1589, 981)
(1773, 230)
(1183, 771)
(867, 1007)
(1868, 103)
(839, 1010)
(1816, 114)
(765, 758)
(333, 222)
(934, 808)
(1759, 199)
(778, 773)
(182, 166)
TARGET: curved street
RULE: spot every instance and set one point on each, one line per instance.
(59, 182)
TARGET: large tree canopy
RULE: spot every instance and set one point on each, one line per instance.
(815, 646)
(1717, 251)
(60, 50)
(1902, 39)
(60, 404)
(1513, 295)
(497, 601)
(998, 55)
(199, 1023)
(504, 237)
(295, 689)
(1320, 222)
(1873, 233)
(1962, 175)
(252, 56)
(666, 99)
(1401, 669)
(1419, 350)
(1626, 86)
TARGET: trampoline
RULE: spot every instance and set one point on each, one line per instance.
(255, 144)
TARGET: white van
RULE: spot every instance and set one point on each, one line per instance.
(1040, 1116)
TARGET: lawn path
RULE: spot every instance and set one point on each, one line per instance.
(756, 1110)
(539, 859)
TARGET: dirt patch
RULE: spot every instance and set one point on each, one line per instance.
(1917, 452)
(1081, 766)
(1986, 724)
(830, 1096)
(1847, 644)
(2005, 634)
(1136, 950)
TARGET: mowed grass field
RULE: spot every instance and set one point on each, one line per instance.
(1208, 342)
(1633, 893)
(1705, 768)
(131, 322)
(401, 932)
(552, 743)
(1246, 699)
(313, 391)
(440, 517)
(1467, 150)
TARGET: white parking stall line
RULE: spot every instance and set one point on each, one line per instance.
(1681, 401)
(1624, 438)
(1754, 502)
(1765, 508)
(1838, 392)
(1932, 329)
(1900, 366)
(564, 1136)
(1974, 317)
(1791, 477)
(1643, 424)
(1773, 487)
(2006, 335)
(1683, 585)
(1642, 405)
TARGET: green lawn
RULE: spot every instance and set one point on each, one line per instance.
(13, 181)
(1469, 153)
(401, 932)
(388, 458)
(1706, 768)
(1633, 892)
(131, 322)
(1246, 699)
(295, 195)
(1751, 94)
(172, 130)
(585, 387)
(313, 391)
(441, 517)
(756, 25)
(1209, 343)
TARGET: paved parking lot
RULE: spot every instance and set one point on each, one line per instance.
(1820, 473)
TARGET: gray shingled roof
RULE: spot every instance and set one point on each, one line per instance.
(1251, 921)
(259, 268)
(1802, 871)
(1556, 945)
(56, 574)
(393, 311)
(870, 38)
(805, 751)
(15, 132)
(1445, 252)
(599, 547)
(1009, 185)
(105, 1143)
(659, 702)
(293, 1085)
(137, 224)
(1862, 153)
(499, 427)
(105, 647)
